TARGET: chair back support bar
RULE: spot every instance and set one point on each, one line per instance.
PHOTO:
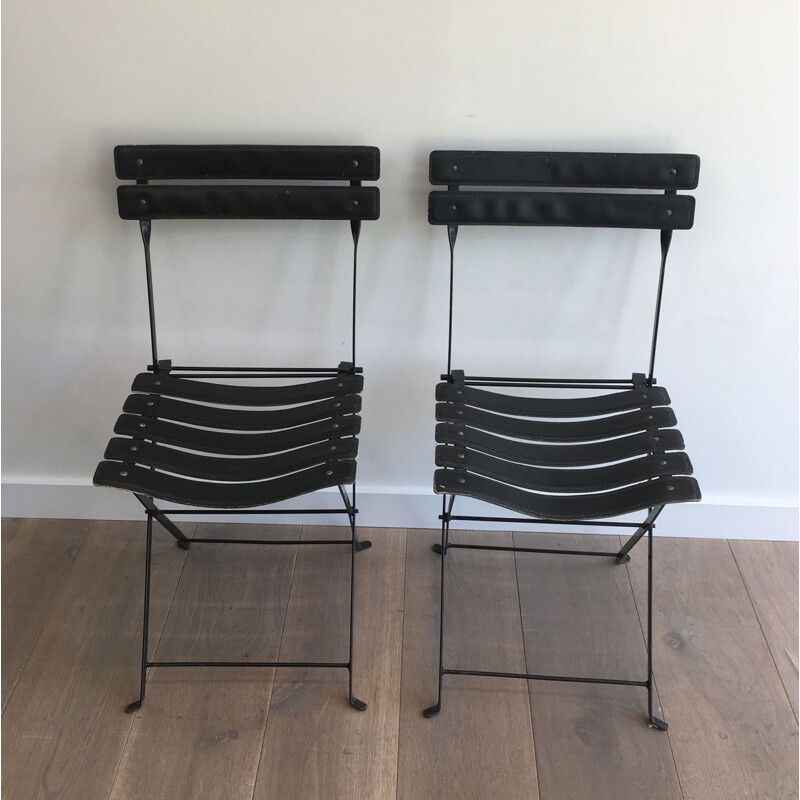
(257, 162)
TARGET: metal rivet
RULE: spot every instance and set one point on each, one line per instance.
(333, 448)
(355, 163)
(142, 425)
(669, 212)
(670, 488)
(139, 162)
(453, 208)
(336, 405)
(329, 472)
(462, 480)
(458, 391)
(454, 168)
(461, 455)
(459, 412)
(149, 402)
(644, 396)
(461, 433)
(663, 463)
(355, 202)
(335, 424)
(673, 171)
(123, 474)
(340, 384)
(142, 202)
(656, 439)
(649, 416)
(134, 447)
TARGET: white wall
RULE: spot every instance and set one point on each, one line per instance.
(714, 78)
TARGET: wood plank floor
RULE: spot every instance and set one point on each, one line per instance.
(725, 649)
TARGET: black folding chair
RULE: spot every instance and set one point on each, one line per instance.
(186, 438)
(567, 460)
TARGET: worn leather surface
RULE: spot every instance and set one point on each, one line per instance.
(275, 162)
(609, 170)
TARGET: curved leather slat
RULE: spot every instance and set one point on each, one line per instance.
(164, 201)
(583, 209)
(587, 170)
(547, 455)
(227, 394)
(239, 444)
(580, 431)
(574, 507)
(221, 495)
(214, 468)
(238, 419)
(604, 478)
(552, 406)
(264, 162)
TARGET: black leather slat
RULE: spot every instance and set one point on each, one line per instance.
(275, 162)
(580, 431)
(565, 480)
(221, 495)
(560, 455)
(574, 507)
(237, 444)
(237, 419)
(248, 202)
(586, 209)
(552, 406)
(214, 468)
(229, 395)
(610, 170)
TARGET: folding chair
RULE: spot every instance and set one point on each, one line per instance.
(566, 460)
(187, 438)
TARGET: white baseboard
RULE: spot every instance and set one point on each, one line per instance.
(384, 509)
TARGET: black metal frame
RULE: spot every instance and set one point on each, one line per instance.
(316, 163)
(446, 208)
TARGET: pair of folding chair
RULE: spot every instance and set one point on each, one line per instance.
(185, 437)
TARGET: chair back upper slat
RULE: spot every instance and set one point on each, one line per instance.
(578, 170)
(265, 162)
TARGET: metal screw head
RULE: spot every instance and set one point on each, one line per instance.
(644, 396)
(157, 383)
(663, 463)
(335, 424)
(355, 163)
(461, 455)
(461, 433)
(123, 474)
(462, 480)
(134, 447)
(336, 405)
(355, 202)
(458, 391)
(333, 447)
(139, 162)
(673, 171)
(142, 425)
(329, 472)
(454, 168)
(669, 212)
(459, 412)
(649, 416)
(656, 439)
(142, 202)
(149, 402)
(453, 208)
(340, 385)
(670, 488)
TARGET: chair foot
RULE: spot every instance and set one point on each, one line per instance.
(437, 548)
(365, 545)
(134, 706)
(183, 545)
(432, 711)
(357, 704)
(623, 559)
(659, 724)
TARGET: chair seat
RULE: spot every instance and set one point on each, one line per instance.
(268, 443)
(603, 456)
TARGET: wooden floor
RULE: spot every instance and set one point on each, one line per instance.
(725, 638)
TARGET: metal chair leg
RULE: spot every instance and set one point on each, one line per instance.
(655, 722)
(355, 547)
(136, 704)
(433, 710)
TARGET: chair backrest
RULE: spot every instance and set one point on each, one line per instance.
(552, 206)
(199, 199)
